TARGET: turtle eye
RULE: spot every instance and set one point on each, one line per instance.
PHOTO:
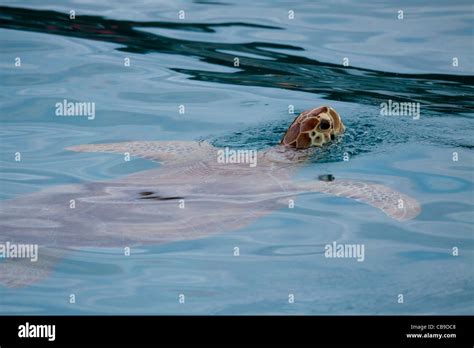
(325, 124)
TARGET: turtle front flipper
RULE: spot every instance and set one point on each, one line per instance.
(158, 151)
(397, 205)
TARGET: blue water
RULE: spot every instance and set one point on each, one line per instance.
(282, 62)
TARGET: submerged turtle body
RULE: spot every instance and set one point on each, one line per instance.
(192, 195)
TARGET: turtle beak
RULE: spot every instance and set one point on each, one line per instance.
(338, 126)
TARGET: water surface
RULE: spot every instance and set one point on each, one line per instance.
(282, 62)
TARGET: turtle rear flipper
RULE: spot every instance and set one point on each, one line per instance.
(158, 151)
(393, 203)
(20, 272)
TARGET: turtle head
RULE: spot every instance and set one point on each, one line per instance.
(314, 127)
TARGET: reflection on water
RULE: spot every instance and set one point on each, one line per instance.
(192, 62)
(259, 65)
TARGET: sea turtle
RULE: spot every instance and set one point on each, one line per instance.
(192, 195)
